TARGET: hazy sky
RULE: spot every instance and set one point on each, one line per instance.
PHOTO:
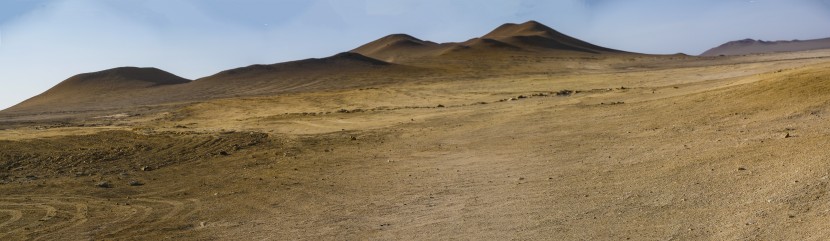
(43, 42)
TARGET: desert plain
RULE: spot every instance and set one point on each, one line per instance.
(502, 137)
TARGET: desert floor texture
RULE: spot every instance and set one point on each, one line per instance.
(609, 146)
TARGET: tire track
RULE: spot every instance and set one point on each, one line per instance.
(15, 215)
(73, 217)
(78, 218)
(48, 213)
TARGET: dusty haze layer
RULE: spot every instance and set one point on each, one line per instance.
(524, 134)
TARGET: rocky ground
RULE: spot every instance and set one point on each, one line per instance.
(657, 149)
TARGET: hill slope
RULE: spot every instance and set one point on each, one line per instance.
(529, 37)
(343, 70)
(534, 35)
(128, 86)
(727, 151)
(751, 46)
(112, 86)
(382, 61)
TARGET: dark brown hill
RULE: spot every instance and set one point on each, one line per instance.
(343, 70)
(102, 87)
(528, 37)
(391, 59)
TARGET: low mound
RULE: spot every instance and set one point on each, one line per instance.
(751, 46)
(122, 78)
(488, 43)
(480, 45)
(343, 70)
(93, 88)
(127, 76)
(806, 87)
(314, 66)
(117, 79)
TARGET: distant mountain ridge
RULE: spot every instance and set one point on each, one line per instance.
(528, 36)
(752, 46)
(371, 63)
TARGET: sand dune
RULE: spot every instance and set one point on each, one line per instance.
(751, 46)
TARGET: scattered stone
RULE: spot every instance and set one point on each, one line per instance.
(741, 169)
(613, 103)
(564, 93)
(440, 106)
(135, 183)
(224, 153)
(146, 168)
(521, 97)
(788, 135)
(104, 184)
(354, 138)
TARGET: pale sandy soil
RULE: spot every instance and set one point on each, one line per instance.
(646, 148)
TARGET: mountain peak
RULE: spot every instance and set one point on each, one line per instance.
(389, 46)
(399, 37)
(532, 35)
(529, 28)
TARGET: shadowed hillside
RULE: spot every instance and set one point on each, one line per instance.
(391, 59)
(529, 38)
(113, 87)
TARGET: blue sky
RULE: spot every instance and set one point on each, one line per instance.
(43, 42)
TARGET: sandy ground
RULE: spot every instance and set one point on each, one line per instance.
(658, 149)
